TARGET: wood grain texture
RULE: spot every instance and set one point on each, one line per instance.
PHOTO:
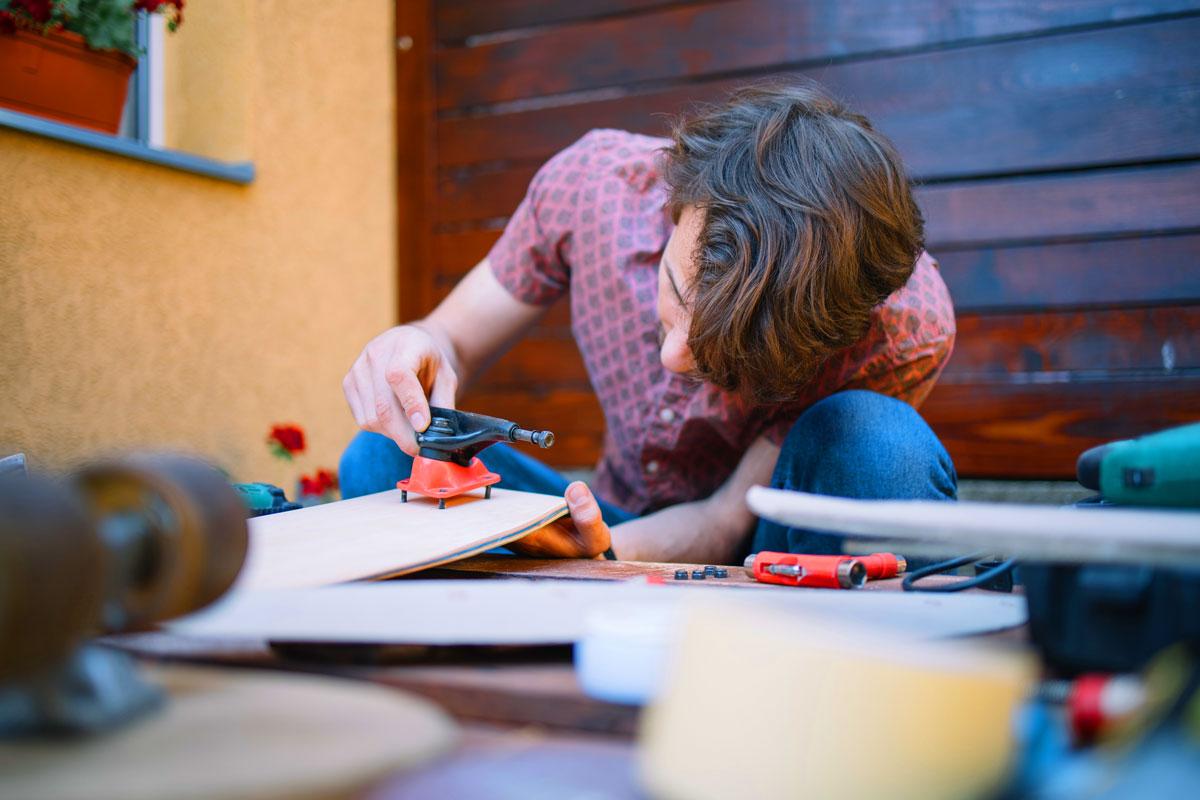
(547, 355)
(1031, 104)
(1147, 339)
(703, 39)
(1077, 205)
(415, 165)
(1133, 271)
(459, 19)
(456, 253)
(377, 536)
(1038, 429)
(495, 565)
(574, 416)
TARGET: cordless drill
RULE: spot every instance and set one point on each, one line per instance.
(1159, 469)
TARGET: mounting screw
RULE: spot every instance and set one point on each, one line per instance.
(698, 575)
(404, 44)
(681, 574)
(442, 503)
(721, 573)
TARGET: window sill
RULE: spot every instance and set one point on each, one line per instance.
(235, 172)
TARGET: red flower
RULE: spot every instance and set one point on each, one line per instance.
(310, 487)
(38, 10)
(28, 13)
(288, 438)
(326, 479)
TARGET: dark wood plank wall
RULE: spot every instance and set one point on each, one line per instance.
(1057, 145)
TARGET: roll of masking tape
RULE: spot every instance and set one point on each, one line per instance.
(786, 706)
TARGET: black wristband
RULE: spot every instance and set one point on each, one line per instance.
(610, 555)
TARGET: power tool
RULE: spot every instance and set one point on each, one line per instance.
(1159, 469)
(447, 464)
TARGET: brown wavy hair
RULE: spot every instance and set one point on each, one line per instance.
(809, 222)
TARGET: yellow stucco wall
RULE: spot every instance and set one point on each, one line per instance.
(146, 307)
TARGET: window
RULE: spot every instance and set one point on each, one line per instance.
(141, 134)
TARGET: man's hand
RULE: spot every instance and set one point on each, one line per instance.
(388, 384)
(581, 535)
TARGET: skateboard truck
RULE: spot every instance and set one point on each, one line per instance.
(446, 464)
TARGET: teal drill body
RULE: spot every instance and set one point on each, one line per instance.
(1159, 469)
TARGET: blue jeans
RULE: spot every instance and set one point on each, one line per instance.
(850, 444)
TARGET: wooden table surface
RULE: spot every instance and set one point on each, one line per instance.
(527, 724)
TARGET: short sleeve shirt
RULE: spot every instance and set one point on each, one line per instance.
(594, 225)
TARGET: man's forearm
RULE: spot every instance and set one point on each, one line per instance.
(705, 531)
(688, 532)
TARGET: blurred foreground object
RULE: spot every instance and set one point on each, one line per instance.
(830, 712)
(116, 547)
(229, 734)
(120, 546)
(1071, 535)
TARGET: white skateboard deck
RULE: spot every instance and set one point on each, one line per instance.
(1169, 538)
(511, 612)
(377, 536)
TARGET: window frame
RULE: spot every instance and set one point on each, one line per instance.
(145, 143)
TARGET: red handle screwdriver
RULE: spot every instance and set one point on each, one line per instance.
(830, 572)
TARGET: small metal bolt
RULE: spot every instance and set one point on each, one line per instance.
(709, 570)
(681, 575)
(698, 575)
(404, 44)
(721, 573)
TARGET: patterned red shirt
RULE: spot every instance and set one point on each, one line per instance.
(594, 224)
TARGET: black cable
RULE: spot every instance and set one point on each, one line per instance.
(910, 580)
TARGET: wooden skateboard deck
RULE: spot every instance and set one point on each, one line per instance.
(378, 536)
(1045, 533)
(225, 734)
(526, 613)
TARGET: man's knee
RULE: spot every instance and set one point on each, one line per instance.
(856, 444)
(864, 444)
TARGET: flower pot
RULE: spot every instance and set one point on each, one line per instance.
(57, 76)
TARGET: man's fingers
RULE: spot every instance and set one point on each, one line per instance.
(445, 388)
(585, 511)
(375, 407)
(407, 389)
(353, 399)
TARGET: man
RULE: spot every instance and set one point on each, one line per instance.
(753, 304)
